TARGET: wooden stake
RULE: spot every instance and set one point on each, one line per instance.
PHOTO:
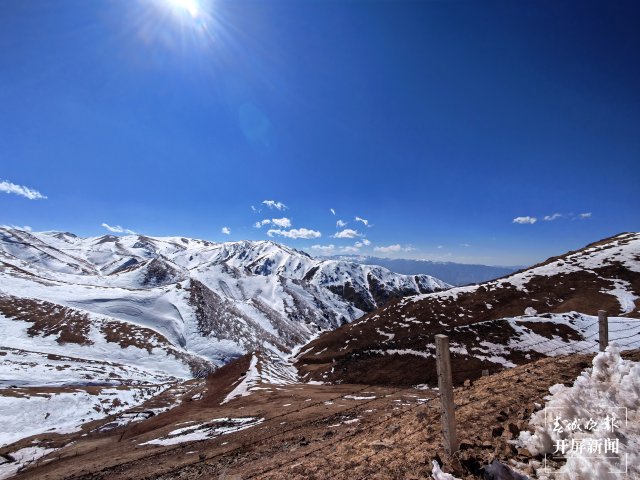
(603, 322)
(445, 387)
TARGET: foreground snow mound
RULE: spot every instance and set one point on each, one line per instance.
(597, 421)
(438, 474)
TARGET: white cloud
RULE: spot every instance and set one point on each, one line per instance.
(280, 222)
(584, 216)
(255, 210)
(388, 249)
(347, 233)
(525, 220)
(466, 245)
(295, 233)
(273, 204)
(551, 218)
(226, 230)
(262, 223)
(341, 224)
(440, 246)
(332, 211)
(118, 229)
(349, 250)
(366, 222)
(363, 243)
(30, 193)
(324, 248)
(283, 222)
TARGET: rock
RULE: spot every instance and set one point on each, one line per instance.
(467, 383)
(514, 430)
(465, 444)
(497, 431)
(524, 452)
(393, 428)
(528, 469)
(380, 444)
(498, 471)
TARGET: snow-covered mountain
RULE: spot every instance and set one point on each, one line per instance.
(548, 309)
(141, 307)
(457, 274)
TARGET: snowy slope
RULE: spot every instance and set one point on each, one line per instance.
(548, 309)
(174, 306)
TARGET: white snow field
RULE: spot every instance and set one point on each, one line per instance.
(26, 413)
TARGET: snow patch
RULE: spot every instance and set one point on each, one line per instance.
(204, 431)
(251, 378)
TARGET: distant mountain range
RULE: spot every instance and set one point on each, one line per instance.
(139, 307)
(454, 273)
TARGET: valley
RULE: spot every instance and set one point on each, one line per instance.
(257, 361)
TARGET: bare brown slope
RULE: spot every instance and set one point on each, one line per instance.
(324, 433)
(359, 352)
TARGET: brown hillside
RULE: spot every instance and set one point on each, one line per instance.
(374, 348)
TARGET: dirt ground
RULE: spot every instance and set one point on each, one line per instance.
(347, 431)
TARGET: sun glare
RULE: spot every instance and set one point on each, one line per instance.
(180, 24)
(190, 6)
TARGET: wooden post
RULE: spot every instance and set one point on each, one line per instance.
(445, 387)
(603, 323)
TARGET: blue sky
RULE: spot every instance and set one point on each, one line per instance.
(437, 122)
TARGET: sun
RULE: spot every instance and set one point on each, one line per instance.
(178, 23)
(190, 6)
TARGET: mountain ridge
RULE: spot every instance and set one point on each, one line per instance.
(201, 302)
(547, 309)
(457, 274)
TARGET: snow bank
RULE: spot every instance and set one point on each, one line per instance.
(438, 474)
(23, 416)
(25, 456)
(609, 391)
